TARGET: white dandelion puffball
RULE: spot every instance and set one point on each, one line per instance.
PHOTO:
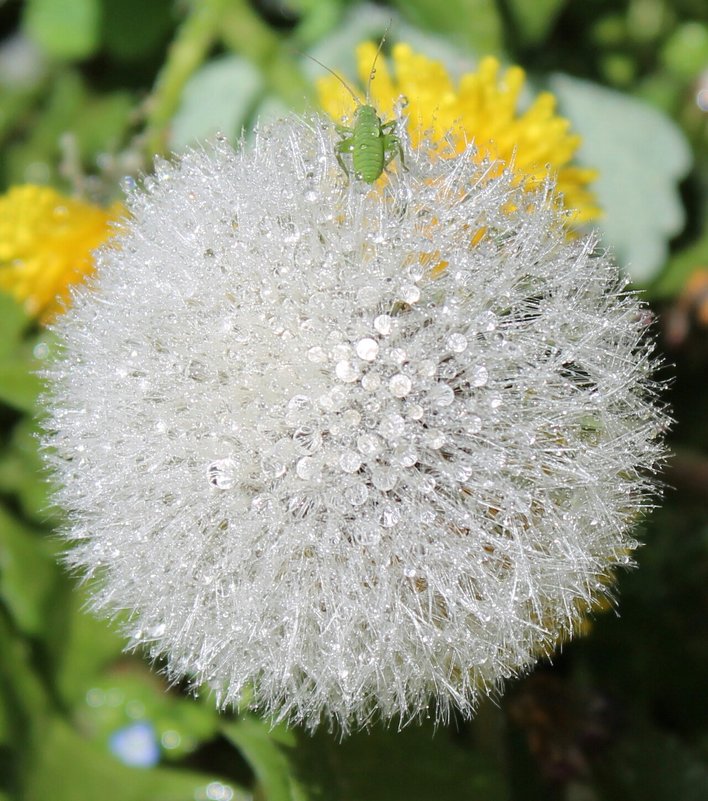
(350, 448)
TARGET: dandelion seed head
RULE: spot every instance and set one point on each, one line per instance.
(326, 441)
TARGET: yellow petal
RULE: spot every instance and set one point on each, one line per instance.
(482, 107)
(46, 244)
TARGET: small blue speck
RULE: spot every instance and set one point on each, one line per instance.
(136, 745)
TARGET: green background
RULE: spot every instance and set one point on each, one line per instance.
(90, 90)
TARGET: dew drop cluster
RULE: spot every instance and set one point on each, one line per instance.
(352, 447)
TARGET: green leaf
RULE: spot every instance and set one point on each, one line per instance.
(25, 706)
(128, 41)
(19, 386)
(28, 574)
(34, 159)
(641, 155)
(471, 23)
(264, 750)
(316, 18)
(533, 21)
(649, 765)
(680, 268)
(415, 764)
(102, 124)
(71, 768)
(66, 29)
(117, 694)
(685, 53)
(90, 645)
(22, 473)
(218, 97)
(13, 322)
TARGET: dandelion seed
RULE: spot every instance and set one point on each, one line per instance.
(354, 505)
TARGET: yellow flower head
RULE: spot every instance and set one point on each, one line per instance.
(482, 109)
(46, 240)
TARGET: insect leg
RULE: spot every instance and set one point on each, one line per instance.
(345, 146)
(393, 148)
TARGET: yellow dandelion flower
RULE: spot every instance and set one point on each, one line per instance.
(46, 244)
(482, 107)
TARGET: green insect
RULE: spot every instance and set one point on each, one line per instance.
(371, 142)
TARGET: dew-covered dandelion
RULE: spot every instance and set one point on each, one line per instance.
(354, 449)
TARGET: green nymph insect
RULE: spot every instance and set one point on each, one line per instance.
(371, 142)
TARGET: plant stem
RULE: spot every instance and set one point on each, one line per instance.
(187, 51)
(244, 32)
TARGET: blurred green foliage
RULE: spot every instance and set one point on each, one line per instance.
(89, 91)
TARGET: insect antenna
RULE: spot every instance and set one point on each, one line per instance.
(376, 58)
(332, 72)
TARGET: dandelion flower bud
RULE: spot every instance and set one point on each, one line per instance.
(354, 448)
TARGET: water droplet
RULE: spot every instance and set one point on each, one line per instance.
(41, 350)
(333, 400)
(196, 370)
(272, 467)
(415, 411)
(416, 271)
(301, 506)
(433, 438)
(222, 473)
(487, 321)
(342, 352)
(460, 471)
(308, 469)
(400, 385)
(367, 349)
(405, 455)
(156, 631)
(368, 444)
(442, 395)
(427, 484)
(307, 439)
(391, 426)
(409, 572)
(383, 324)
(350, 461)
(350, 418)
(474, 424)
(384, 478)
(317, 355)
(427, 368)
(479, 376)
(390, 515)
(357, 494)
(367, 533)
(457, 343)
(347, 371)
(367, 296)
(298, 403)
(371, 382)
(410, 294)
(263, 504)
